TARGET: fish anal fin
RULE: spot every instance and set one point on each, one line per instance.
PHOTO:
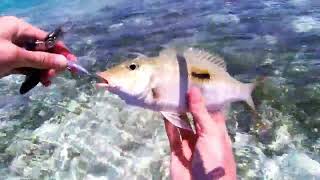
(178, 120)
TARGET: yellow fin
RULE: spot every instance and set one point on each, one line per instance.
(201, 56)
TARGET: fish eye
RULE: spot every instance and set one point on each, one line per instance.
(133, 66)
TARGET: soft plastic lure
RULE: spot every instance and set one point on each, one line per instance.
(75, 67)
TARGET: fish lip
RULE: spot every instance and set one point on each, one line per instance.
(102, 79)
(98, 85)
(104, 83)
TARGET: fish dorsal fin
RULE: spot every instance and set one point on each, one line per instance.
(201, 56)
(139, 55)
(168, 52)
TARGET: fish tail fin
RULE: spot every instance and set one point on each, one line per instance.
(259, 126)
(249, 87)
(250, 102)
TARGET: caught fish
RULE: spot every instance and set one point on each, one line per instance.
(161, 83)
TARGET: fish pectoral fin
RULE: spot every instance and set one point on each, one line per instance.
(151, 94)
(178, 120)
(144, 94)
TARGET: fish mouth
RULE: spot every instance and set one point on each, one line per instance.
(103, 81)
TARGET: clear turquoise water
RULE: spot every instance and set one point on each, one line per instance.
(73, 131)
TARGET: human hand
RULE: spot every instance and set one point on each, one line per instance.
(206, 154)
(13, 33)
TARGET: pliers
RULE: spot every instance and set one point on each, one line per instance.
(33, 76)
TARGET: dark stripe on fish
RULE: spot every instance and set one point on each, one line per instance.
(183, 75)
(200, 75)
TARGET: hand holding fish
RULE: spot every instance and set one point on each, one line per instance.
(206, 154)
(160, 83)
(13, 59)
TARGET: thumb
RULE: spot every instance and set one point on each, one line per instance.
(198, 110)
(40, 60)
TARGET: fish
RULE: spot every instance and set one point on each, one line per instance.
(161, 83)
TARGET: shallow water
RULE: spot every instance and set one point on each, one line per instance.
(73, 131)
